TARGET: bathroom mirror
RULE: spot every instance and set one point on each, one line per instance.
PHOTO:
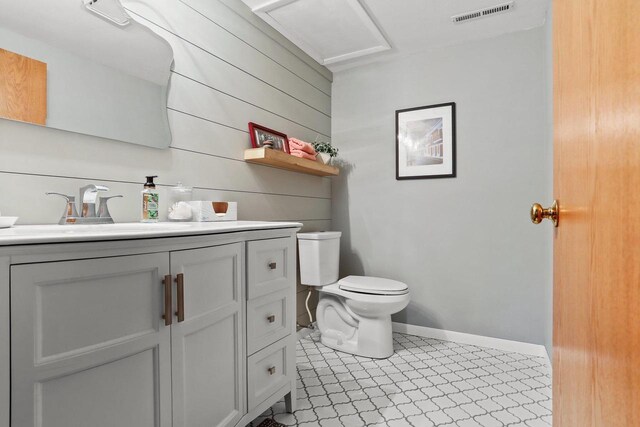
(99, 71)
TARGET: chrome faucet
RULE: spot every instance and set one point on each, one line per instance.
(88, 198)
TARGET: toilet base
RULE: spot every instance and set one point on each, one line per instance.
(373, 338)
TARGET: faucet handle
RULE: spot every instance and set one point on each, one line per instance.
(69, 198)
(103, 208)
(70, 214)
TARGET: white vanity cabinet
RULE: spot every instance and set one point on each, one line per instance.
(176, 331)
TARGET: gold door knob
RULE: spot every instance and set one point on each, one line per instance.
(538, 213)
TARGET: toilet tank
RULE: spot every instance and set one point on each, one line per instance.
(319, 257)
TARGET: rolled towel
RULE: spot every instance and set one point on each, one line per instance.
(296, 144)
(303, 154)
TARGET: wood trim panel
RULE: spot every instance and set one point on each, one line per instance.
(23, 88)
(281, 160)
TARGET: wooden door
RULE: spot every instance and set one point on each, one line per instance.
(596, 356)
(208, 361)
(88, 343)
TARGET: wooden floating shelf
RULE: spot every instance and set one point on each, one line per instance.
(282, 160)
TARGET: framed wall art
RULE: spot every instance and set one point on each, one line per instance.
(264, 137)
(426, 142)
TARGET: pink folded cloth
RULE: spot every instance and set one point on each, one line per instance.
(302, 154)
(296, 144)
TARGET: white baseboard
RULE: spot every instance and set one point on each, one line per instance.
(479, 340)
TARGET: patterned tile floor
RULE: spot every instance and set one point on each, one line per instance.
(427, 382)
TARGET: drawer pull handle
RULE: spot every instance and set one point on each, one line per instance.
(272, 370)
(167, 316)
(180, 283)
(272, 265)
(271, 318)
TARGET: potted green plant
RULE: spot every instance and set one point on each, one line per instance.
(325, 150)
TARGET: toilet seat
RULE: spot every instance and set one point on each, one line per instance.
(372, 285)
(365, 297)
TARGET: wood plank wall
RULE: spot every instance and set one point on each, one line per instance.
(230, 68)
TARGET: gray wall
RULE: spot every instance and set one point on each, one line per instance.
(230, 68)
(466, 247)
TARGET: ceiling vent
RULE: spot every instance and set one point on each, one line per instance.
(477, 14)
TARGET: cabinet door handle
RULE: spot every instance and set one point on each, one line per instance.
(272, 265)
(167, 316)
(272, 370)
(180, 282)
(271, 318)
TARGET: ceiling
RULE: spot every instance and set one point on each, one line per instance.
(346, 33)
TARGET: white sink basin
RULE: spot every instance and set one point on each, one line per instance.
(129, 227)
(116, 228)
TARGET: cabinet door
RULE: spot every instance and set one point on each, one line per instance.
(89, 345)
(208, 363)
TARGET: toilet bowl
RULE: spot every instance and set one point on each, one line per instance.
(359, 322)
(353, 313)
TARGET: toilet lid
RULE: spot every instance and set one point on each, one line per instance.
(320, 235)
(372, 285)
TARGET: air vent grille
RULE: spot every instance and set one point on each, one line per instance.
(476, 14)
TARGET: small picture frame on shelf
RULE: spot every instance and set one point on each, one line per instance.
(264, 137)
(426, 142)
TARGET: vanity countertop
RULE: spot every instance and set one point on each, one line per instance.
(37, 234)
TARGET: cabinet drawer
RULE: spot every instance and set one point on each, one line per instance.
(270, 266)
(269, 370)
(268, 319)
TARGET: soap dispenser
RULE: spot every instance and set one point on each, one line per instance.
(150, 201)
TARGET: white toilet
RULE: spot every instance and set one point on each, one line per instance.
(354, 313)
